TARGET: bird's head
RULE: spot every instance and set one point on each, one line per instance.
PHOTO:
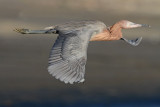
(125, 24)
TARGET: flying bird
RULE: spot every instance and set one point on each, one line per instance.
(68, 55)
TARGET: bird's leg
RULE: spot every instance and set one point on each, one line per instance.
(27, 31)
(133, 42)
(22, 31)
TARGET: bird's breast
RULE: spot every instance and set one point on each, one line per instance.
(100, 36)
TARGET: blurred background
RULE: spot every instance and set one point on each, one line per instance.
(117, 74)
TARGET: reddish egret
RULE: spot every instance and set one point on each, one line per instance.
(69, 53)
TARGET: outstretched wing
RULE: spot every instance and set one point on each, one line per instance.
(68, 57)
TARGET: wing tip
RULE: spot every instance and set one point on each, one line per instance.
(66, 81)
(135, 42)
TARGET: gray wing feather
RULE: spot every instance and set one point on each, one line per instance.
(69, 53)
(68, 58)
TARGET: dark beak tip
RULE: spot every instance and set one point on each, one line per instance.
(145, 25)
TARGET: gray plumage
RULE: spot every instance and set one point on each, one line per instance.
(69, 53)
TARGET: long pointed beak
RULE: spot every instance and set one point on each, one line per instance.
(141, 25)
(145, 25)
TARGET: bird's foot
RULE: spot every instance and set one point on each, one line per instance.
(22, 31)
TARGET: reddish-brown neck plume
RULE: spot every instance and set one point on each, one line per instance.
(114, 33)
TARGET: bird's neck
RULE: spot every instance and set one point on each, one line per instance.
(114, 33)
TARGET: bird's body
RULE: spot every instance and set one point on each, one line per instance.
(70, 49)
(69, 53)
